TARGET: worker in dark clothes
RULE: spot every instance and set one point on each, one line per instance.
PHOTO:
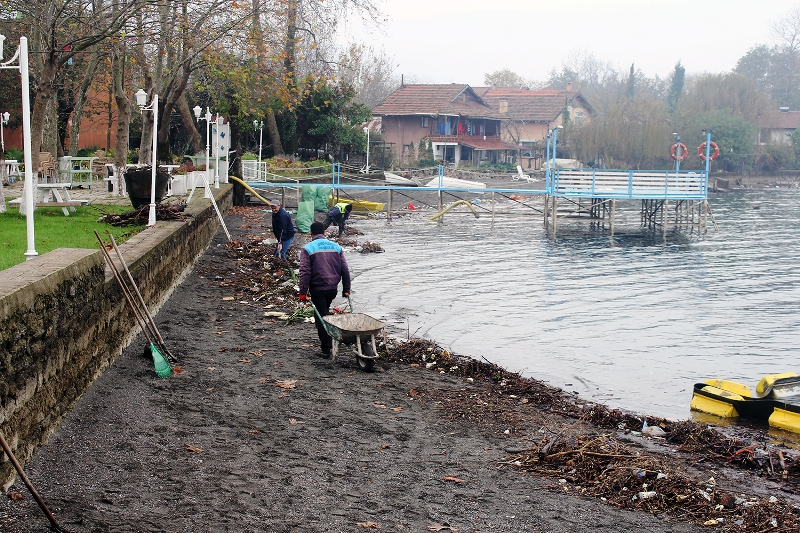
(339, 213)
(322, 265)
(282, 228)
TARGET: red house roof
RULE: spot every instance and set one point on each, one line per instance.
(452, 99)
(532, 106)
(782, 120)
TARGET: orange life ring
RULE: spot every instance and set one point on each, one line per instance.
(674, 148)
(701, 151)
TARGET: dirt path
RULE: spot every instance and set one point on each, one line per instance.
(222, 447)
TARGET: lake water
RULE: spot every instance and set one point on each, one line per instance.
(631, 321)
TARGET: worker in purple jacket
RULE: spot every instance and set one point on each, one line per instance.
(322, 265)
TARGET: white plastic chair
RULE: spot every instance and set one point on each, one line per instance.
(521, 175)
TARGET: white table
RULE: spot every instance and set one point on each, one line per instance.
(11, 169)
(57, 195)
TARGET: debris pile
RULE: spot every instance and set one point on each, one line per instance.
(140, 216)
(608, 453)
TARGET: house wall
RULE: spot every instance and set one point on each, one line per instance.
(403, 130)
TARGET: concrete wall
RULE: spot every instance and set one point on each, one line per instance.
(63, 321)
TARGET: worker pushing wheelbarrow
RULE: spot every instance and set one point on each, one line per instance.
(322, 266)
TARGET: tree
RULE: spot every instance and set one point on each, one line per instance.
(59, 31)
(371, 74)
(329, 117)
(676, 88)
(629, 90)
(504, 78)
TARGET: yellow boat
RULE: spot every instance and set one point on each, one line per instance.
(776, 399)
(363, 206)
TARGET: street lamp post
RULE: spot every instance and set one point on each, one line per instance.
(260, 126)
(366, 170)
(22, 66)
(197, 110)
(3, 121)
(141, 99)
(219, 120)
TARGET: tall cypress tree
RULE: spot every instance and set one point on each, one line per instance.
(631, 79)
(676, 89)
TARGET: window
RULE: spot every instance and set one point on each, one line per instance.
(764, 136)
(578, 118)
(424, 122)
(504, 106)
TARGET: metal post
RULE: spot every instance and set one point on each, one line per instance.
(613, 213)
(154, 163)
(26, 145)
(218, 122)
(492, 209)
(207, 193)
(389, 205)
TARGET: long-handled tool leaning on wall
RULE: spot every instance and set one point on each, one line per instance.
(162, 358)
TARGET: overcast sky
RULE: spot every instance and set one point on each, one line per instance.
(446, 41)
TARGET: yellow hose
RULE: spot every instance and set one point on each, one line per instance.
(449, 207)
(246, 186)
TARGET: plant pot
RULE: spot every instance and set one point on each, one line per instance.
(138, 183)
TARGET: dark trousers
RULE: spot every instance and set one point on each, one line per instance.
(322, 301)
(338, 220)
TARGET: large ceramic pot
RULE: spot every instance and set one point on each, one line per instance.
(138, 183)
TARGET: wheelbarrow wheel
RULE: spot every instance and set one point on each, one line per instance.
(367, 365)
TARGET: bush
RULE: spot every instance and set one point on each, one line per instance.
(249, 156)
(15, 153)
(87, 152)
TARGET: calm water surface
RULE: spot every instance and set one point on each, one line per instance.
(631, 321)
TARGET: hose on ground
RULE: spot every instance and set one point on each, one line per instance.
(449, 207)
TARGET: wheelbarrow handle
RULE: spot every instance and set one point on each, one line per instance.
(350, 302)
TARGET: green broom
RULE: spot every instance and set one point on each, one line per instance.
(163, 368)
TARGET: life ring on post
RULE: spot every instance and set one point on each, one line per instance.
(701, 151)
(674, 149)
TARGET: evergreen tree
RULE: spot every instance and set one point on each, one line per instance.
(631, 79)
(676, 89)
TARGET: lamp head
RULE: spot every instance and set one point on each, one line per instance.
(220, 120)
(197, 110)
(255, 124)
(141, 97)
(6, 116)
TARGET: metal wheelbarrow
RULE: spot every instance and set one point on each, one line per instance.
(353, 328)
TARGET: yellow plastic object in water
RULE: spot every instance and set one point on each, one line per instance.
(360, 205)
(715, 406)
(767, 381)
(780, 418)
(730, 386)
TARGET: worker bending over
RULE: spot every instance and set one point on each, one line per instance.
(339, 213)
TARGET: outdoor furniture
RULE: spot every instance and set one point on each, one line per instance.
(55, 195)
(76, 170)
(11, 169)
(47, 171)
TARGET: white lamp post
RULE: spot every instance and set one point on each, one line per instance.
(219, 120)
(366, 130)
(22, 55)
(197, 110)
(141, 98)
(260, 126)
(3, 121)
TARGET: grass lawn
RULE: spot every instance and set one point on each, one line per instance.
(53, 230)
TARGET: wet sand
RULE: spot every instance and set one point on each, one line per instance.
(259, 434)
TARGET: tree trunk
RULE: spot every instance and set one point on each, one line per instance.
(289, 63)
(77, 114)
(195, 141)
(123, 121)
(274, 134)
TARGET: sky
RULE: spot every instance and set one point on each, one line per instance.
(459, 41)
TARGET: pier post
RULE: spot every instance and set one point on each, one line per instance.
(389, 205)
(613, 212)
(492, 209)
(283, 196)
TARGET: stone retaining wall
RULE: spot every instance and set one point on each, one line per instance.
(63, 321)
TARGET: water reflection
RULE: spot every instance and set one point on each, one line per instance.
(632, 320)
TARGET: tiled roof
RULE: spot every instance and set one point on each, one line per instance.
(532, 106)
(477, 142)
(783, 120)
(452, 99)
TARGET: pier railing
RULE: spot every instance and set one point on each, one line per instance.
(628, 184)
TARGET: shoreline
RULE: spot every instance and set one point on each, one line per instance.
(258, 434)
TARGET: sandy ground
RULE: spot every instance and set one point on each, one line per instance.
(223, 447)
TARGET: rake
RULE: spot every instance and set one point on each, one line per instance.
(161, 355)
